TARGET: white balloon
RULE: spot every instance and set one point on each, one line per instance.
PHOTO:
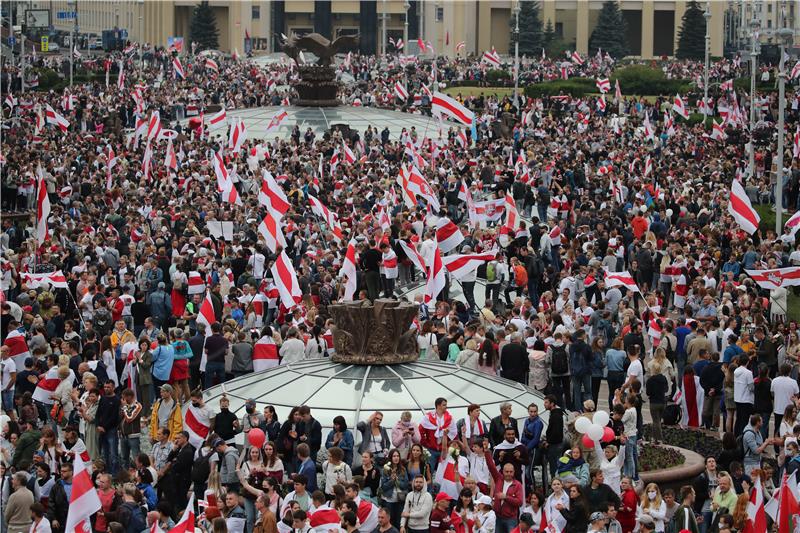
(582, 424)
(600, 418)
(595, 432)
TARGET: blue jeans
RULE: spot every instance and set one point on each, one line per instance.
(109, 450)
(214, 370)
(129, 450)
(8, 400)
(581, 390)
(631, 456)
(505, 525)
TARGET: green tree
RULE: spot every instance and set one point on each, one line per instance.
(609, 34)
(203, 27)
(530, 29)
(692, 35)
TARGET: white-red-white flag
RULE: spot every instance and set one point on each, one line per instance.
(42, 208)
(679, 107)
(414, 256)
(400, 90)
(603, 85)
(52, 117)
(265, 354)
(349, 269)
(178, 68)
(776, 277)
(443, 105)
(448, 235)
(621, 279)
(170, 159)
(462, 265)
(286, 281)
(197, 424)
(271, 194)
(492, 58)
(741, 209)
(187, 521)
(436, 277)
(270, 229)
(219, 117)
(83, 501)
(206, 314)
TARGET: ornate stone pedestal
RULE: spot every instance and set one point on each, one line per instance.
(377, 333)
(317, 86)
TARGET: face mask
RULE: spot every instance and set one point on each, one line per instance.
(652, 495)
(195, 404)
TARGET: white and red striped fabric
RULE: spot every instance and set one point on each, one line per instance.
(18, 348)
(621, 279)
(349, 156)
(414, 256)
(219, 117)
(679, 107)
(206, 314)
(436, 277)
(238, 134)
(286, 280)
(46, 386)
(154, 126)
(270, 229)
(367, 514)
(492, 58)
(177, 68)
(195, 284)
(462, 265)
(197, 424)
(186, 523)
(389, 264)
(324, 520)
(265, 354)
(68, 102)
(443, 105)
(271, 194)
(349, 269)
(276, 120)
(448, 235)
(576, 58)
(328, 216)
(447, 477)
(461, 45)
(52, 117)
(400, 90)
(42, 208)
(741, 209)
(718, 131)
(55, 279)
(83, 501)
(170, 159)
(793, 224)
(776, 277)
(211, 64)
(78, 450)
(603, 85)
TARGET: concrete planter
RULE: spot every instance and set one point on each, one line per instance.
(694, 464)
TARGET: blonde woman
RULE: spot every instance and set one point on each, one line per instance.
(653, 505)
(659, 364)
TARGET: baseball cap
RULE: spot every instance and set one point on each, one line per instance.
(647, 520)
(218, 442)
(597, 515)
(250, 403)
(166, 387)
(443, 496)
(485, 500)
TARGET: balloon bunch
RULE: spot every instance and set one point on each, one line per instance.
(595, 429)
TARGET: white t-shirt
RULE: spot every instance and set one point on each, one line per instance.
(257, 261)
(8, 367)
(636, 371)
(783, 388)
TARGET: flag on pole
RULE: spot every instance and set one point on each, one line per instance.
(178, 68)
(436, 277)
(621, 279)
(83, 501)
(349, 269)
(286, 281)
(186, 523)
(741, 209)
(443, 105)
(679, 107)
(776, 277)
(448, 235)
(42, 208)
(492, 58)
(603, 85)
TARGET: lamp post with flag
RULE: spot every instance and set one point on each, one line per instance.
(707, 16)
(755, 49)
(406, 7)
(785, 36)
(517, 9)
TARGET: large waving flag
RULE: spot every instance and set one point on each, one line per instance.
(793, 224)
(328, 216)
(776, 277)
(461, 265)
(83, 501)
(206, 314)
(679, 107)
(42, 208)
(443, 105)
(52, 117)
(178, 68)
(436, 276)
(621, 279)
(414, 256)
(186, 523)
(55, 279)
(197, 424)
(448, 235)
(741, 209)
(286, 280)
(271, 194)
(756, 516)
(265, 354)
(349, 269)
(270, 229)
(18, 348)
(492, 58)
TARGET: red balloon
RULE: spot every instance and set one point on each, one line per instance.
(587, 441)
(256, 437)
(608, 434)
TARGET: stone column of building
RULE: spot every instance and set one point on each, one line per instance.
(582, 29)
(648, 10)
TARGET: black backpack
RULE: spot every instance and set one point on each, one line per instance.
(740, 443)
(202, 468)
(136, 521)
(560, 360)
(103, 322)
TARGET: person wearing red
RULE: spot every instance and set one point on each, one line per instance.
(462, 518)
(627, 507)
(525, 524)
(508, 494)
(436, 430)
(440, 515)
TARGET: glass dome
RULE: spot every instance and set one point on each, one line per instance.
(356, 391)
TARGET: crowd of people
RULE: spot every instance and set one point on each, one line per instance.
(120, 307)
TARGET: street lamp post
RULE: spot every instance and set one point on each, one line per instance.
(785, 35)
(754, 51)
(406, 7)
(141, 34)
(707, 16)
(383, 36)
(517, 9)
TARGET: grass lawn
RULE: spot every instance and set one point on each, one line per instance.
(477, 91)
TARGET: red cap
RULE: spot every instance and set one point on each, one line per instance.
(443, 496)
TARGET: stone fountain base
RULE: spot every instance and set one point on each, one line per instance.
(317, 87)
(374, 333)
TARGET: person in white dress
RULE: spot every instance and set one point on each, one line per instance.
(610, 463)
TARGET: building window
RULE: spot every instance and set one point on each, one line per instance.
(256, 13)
(769, 23)
(560, 29)
(769, 8)
(439, 14)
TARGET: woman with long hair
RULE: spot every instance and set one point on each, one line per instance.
(534, 507)
(273, 465)
(539, 373)
(462, 518)
(577, 515)
(598, 366)
(628, 505)
(730, 404)
(487, 355)
(251, 475)
(427, 341)
(271, 425)
(394, 485)
(653, 505)
(317, 346)
(417, 464)
(557, 501)
(740, 512)
(342, 438)
(288, 438)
